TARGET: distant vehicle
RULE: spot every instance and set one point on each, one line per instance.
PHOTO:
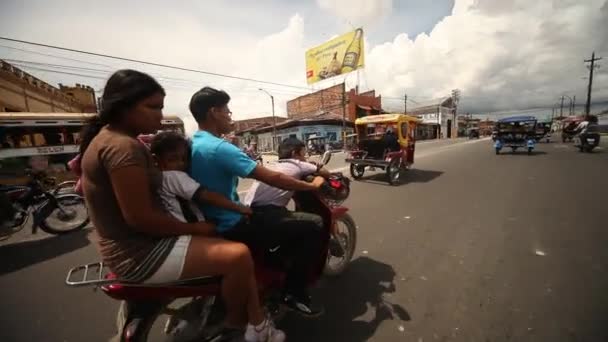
(316, 144)
(394, 154)
(516, 132)
(543, 131)
(588, 138)
(53, 138)
(570, 123)
(473, 133)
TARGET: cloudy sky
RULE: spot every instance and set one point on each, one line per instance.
(502, 54)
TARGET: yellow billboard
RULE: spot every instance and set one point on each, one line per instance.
(338, 56)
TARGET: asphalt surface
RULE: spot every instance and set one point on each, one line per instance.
(473, 247)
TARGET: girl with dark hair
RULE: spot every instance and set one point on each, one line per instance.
(137, 239)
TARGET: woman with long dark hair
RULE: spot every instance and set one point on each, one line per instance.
(136, 238)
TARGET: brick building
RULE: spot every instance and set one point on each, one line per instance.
(335, 99)
(486, 126)
(22, 92)
(242, 125)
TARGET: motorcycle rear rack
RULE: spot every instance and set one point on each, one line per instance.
(92, 274)
(96, 274)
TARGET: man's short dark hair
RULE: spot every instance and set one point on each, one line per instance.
(168, 141)
(289, 146)
(203, 100)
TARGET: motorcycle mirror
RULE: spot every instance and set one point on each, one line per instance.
(326, 157)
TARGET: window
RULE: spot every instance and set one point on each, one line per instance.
(332, 136)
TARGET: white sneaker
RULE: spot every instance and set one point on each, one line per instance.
(265, 332)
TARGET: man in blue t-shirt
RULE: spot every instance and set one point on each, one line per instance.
(218, 164)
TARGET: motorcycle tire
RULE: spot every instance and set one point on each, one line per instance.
(357, 171)
(393, 172)
(68, 187)
(349, 248)
(64, 201)
(155, 322)
(135, 320)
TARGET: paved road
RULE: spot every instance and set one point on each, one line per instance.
(474, 247)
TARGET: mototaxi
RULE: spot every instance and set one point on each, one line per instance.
(516, 132)
(569, 125)
(385, 141)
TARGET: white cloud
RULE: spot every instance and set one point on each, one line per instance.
(502, 55)
(357, 12)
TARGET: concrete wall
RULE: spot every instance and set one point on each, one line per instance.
(22, 92)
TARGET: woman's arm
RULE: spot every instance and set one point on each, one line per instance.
(131, 187)
(219, 200)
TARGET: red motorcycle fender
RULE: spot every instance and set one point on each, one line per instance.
(338, 212)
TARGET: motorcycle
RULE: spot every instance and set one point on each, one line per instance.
(588, 141)
(199, 318)
(54, 211)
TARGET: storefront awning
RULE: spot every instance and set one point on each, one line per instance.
(368, 108)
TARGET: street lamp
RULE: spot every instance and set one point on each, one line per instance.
(274, 120)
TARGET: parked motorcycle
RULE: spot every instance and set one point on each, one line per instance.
(144, 306)
(54, 212)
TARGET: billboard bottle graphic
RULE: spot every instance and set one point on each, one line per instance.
(334, 66)
(351, 56)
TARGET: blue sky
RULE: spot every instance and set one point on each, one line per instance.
(502, 54)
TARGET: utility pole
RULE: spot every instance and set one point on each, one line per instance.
(274, 120)
(590, 67)
(405, 103)
(455, 100)
(344, 116)
(561, 107)
(574, 105)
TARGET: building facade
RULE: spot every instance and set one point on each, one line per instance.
(22, 92)
(351, 104)
(327, 125)
(438, 118)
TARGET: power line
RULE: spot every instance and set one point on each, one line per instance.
(54, 56)
(149, 63)
(307, 90)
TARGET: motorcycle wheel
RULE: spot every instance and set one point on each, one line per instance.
(70, 215)
(68, 187)
(393, 172)
(348, 241)
(357, 171)
(184, 323)
(589, 149)
(7, 229)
